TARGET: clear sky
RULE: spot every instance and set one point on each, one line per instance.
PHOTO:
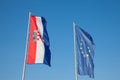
(100, 18)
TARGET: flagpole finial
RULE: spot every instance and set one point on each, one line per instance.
(73, 23)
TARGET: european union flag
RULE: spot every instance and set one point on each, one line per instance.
(84, 52)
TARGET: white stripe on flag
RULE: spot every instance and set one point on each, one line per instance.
(40, 25)
(40, 49)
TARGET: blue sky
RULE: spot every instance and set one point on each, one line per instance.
(100, 18)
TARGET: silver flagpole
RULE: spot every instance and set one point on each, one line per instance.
(24, 66)
(75, 57)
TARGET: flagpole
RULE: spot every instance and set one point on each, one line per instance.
(24, 66)
(75, 56)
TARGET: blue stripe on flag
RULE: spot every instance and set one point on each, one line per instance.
(47, 56)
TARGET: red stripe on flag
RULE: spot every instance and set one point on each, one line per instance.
(32, 44)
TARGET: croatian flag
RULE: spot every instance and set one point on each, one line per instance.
(38, 44)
